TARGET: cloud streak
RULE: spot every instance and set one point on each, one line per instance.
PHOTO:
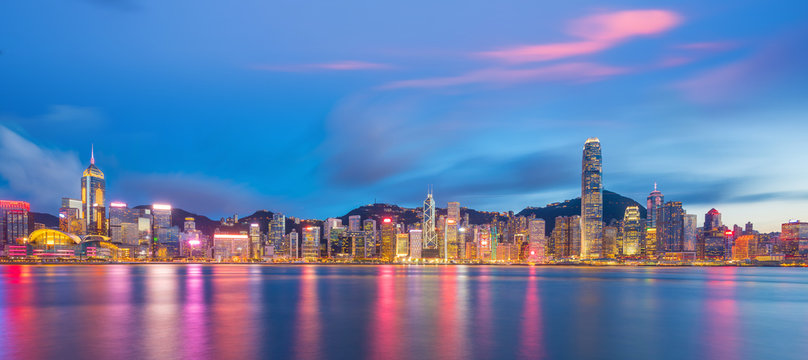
(42, 176)
(350, 65)
(570, 72)
(596, 33)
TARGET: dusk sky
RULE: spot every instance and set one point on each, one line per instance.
(312, 108)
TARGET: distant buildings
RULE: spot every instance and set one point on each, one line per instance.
(794, 239)
(632, 232)
(13, 222)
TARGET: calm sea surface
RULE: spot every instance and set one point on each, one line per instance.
(401, 312)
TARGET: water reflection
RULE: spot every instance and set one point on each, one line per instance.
(307, 335)
(399, 312)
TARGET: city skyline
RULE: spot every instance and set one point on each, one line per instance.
(268, 114)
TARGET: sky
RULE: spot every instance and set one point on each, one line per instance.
(312, 108)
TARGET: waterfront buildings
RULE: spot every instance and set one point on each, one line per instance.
(311, 243)
(388, 235)
(429, 226)
(794, 239)
(670, 227)
(537, 241)
(591, 200)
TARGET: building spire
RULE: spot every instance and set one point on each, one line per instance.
(655, 186)
(92, 154)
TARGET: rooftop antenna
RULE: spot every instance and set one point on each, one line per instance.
(655, 186)
(92, 154)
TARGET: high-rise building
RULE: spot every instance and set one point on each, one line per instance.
(192, 242)
(230, 246)
(71, 218)
(536, 239)
(369, 228)
(712, 244)
(256, 248)
(451, 231)
(388, 239)
(632, 231)
(13, 222)
(277, 230)
(123, 224)
(690, 231)
(311, 243)
(670, 228)
(653, 205)
(402, 245)
(591, 200)
(610, 242)
(355, 223)
(294, 244)
(430, 235)
(93, 197)
(330, 224)
(712, 220)
(416, 243)
(338, 242)
(484, 243)
(162, 232)
(794, 239)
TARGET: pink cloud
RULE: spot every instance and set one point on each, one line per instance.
(674, 61)
(597, 33)
(712, 46)
(337, 66)
(572, 72)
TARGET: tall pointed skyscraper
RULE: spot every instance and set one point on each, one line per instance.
(430, 236)
(93, 194)
(591, 200)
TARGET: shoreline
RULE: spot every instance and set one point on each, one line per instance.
(100, 263)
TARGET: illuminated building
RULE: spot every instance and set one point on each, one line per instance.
(794, 239)
(451, 233)
(536, 237)
(388, 239)
(712, 220)
(650, 242)
(483, 234)
(338, 242)
(47, 243)
(745, 247)
(294, 241)
(610, 242)
(231, 246)
(670, 227)
(256, 248)
(330, 223)
(192, 242)
(711, 245)
(591, 200)
(93, 197)
(355, 223)
(358, 244)
(653, 204)
(123, 224)
(277, 230)
(402, 245)
(71, 219)
(690, 231)
(416, 238)
(311, 243)
(632, 231)
(369, 228)
(430, 235)
(161, 215)
(13, 222)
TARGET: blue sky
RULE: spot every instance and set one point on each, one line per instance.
(313, 108)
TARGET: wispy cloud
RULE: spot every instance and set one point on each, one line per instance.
(596, 33)
(710, 46)
(35, 173)
(572, 72)
(334, 66)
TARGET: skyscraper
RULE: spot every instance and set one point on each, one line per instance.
(690, 232)
(430, 236)
(13, 222)
(672, 227)
(93, 197)
(71, 219)
(123, 224)
(536, 238)
(355, 223)
(388, 239)
(654, 203)
(794, 237)
(161, 213)
(632, 231)
(277, 230)
(451, 234)
(311, 243)
(416, 239)
(591, 200)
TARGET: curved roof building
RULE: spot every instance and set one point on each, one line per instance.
(50, 238)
